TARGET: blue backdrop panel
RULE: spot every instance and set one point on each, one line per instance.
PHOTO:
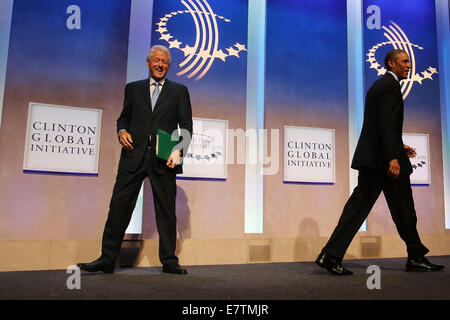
(43, 47)
(408, 25)
(208, 43)
(306, 60)
(306, 85)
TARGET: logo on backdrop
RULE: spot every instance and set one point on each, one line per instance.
(309, 155)
(200, 53)
(62, 139)
(417, 165)
(205, 147)
(421, 162)
(398, 39)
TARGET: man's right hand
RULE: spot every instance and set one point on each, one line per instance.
(125, 140)
(394, 168)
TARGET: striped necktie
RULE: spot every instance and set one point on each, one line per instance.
(155, 95)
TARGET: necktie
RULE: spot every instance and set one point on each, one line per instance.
(155, 95)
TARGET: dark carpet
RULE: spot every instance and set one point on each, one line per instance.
(272, 281)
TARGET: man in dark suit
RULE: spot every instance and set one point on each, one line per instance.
(150, 104)
(382, 161)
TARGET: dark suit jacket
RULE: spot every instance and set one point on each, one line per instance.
(381, 136)
(172, 108)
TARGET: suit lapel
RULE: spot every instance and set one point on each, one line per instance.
(145, 90)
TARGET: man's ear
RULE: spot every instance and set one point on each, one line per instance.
(391, 63)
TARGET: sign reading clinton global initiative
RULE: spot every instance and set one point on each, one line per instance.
(421, 162)
(207, 153)
(309, 155)
(62, 139)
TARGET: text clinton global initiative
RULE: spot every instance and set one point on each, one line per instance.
(63, 138)
(309, 154)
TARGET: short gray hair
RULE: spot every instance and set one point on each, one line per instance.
(160, 48)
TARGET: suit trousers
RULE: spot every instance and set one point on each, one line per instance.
(398, 194)
(123, 201)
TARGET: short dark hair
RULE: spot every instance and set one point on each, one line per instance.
(391, 55)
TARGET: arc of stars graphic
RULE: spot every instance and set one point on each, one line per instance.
(199, 55)
(427, 74)
(398, 39)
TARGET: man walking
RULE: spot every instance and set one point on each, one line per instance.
(382, 161)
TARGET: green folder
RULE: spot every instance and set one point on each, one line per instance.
(165, 145)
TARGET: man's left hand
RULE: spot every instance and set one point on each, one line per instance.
(174, 159)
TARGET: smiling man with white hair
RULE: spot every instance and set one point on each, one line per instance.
(149, 104)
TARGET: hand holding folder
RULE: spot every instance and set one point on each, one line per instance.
(165, 146)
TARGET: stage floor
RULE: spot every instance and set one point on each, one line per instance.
(272, 281)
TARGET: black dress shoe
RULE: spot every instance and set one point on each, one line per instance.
(97, 265)
(422, 265)
(332, 265)
(174, 268)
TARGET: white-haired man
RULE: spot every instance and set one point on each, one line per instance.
(149, 104)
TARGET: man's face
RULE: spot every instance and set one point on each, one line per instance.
(400, 65)
(158, 64)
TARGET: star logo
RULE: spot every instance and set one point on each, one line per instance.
(204, 149)
(420, 164)
(398, 40)
(203, 52)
